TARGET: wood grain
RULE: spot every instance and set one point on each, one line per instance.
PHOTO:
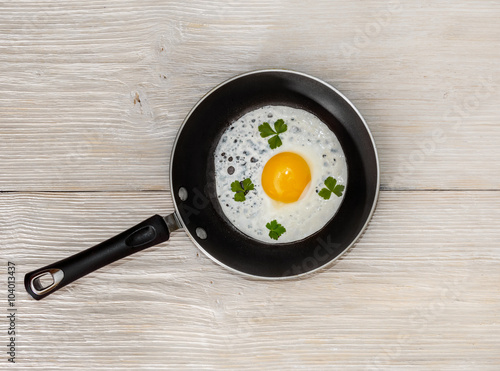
(97, 91)
(92, 95)
(418, 291)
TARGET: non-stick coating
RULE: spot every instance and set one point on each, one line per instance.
(192, 168)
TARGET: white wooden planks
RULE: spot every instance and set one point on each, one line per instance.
(91, 97)
(419, 289)
(97, 91)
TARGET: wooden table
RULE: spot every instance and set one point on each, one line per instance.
(92, 95)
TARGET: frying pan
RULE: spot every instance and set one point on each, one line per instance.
(197, 210)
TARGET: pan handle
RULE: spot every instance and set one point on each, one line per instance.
(152, 231)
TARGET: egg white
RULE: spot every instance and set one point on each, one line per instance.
(242, 148)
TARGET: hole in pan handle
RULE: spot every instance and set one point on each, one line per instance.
(152, 231)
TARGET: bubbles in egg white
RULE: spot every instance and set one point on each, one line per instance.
(242, 153)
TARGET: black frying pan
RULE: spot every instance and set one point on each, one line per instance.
(197, 210)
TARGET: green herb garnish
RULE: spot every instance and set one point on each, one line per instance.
(241, 189)
(275, 229)
(266, 130)
(331, 187)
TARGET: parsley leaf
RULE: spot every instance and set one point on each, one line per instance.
(240, 196)
(331, 187)
(266, 130)
(247, 185)
(236, 186)
(280, 126)
(276, 229)
(241, 189)
(275, 142)
(338, 190)
(325, 193)
(330, 183)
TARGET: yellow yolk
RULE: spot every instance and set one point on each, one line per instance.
(285, 176)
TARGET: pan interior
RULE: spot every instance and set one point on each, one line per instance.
(192, 169)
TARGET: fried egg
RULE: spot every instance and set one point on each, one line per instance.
(287, 180)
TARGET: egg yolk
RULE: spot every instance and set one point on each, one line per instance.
(285, 176)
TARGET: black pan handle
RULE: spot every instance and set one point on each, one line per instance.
(46, 280)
